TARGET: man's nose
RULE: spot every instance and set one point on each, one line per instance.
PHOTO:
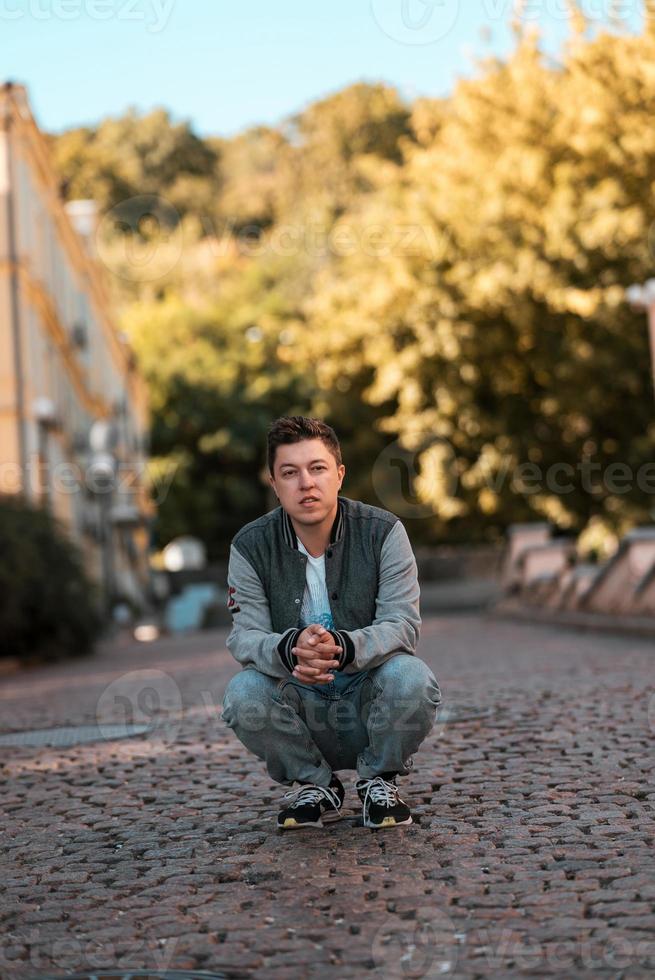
(306, 480)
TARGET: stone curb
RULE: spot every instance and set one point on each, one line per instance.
(570, 619)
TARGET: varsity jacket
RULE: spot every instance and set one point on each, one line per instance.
(371, 579)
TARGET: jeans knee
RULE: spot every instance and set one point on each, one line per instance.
(247, 699)
(406, 678)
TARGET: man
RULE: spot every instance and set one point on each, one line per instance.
(324, 597)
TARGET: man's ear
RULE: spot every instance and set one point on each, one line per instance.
(272, 483)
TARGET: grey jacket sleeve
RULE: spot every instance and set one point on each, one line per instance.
(397, 622)
(251, 639)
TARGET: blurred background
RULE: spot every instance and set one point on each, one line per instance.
(429, 223)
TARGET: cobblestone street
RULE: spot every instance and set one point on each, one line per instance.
(531, 852)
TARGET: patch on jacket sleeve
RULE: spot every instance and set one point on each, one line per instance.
(232, 604)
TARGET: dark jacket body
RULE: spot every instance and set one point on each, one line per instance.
(371, 579)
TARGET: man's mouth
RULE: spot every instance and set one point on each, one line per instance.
(309, 500)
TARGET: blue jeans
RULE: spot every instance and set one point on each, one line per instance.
(372, 721)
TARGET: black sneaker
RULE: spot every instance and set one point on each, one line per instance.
(312, 806)
(381, 804)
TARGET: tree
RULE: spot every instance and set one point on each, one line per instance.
(135, 155)
(447, 275)
(217, 375)
(505, 336)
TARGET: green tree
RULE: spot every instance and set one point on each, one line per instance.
(217, 375)
(135, 155)
(505, 335)
(449, 274)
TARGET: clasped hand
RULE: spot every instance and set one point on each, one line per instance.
(316, 653)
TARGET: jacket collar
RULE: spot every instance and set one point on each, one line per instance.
(336, 533)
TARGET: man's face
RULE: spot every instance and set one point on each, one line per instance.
(306, 479)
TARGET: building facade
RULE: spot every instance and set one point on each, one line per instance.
(73, 411)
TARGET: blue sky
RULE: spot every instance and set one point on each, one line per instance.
(225, 65)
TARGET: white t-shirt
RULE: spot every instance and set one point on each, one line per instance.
(315, 604)
(316, 609)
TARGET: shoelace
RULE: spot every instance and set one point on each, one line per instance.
(313, 794)
(378, 790)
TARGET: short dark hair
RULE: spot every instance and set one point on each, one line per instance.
(295, 428)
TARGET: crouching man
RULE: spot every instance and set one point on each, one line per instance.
(324, 598)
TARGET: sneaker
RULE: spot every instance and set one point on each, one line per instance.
(312, 806)
(381, 804)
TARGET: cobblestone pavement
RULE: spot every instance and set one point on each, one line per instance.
(531, 855)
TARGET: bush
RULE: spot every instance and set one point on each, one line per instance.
(48, 605)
